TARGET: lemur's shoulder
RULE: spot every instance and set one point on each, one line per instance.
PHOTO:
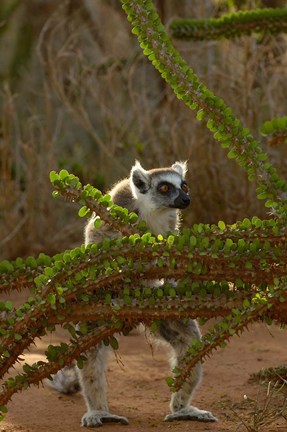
(122, 195)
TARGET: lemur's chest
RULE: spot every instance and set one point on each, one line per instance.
(160, 221)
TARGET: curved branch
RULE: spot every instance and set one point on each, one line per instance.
(270, 21)
(219, 118)
(39, 372)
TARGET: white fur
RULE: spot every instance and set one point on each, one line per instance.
(160, 221)
(144, 174)
(171, 177)
(180, 167)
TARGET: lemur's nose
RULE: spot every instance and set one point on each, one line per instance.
(186, 200)
(182, 201)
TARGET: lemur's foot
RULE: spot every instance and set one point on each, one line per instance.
(191, 413)
(97, 418)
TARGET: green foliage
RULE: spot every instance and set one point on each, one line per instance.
(107, 283)
(217, 116)
(275, 130)
(237, 272)
(92, 200)
(270, 21)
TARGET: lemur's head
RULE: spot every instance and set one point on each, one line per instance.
(160, 188)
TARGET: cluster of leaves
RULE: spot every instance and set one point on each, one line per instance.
(275, 130)
(236, 272)
(212, 110)
(92, 200)
(270, 21)
(108, 283)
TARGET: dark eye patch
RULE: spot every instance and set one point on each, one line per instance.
(165, 187)
(184, 187)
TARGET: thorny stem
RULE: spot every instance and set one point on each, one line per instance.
(75, 350)
(186, 85)
(208, 347)
(124, 229)
(215, 269)
(235, 326)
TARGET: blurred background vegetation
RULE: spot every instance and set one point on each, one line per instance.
(77, 93)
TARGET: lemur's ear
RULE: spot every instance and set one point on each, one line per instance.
(139, 179)
(180, 167)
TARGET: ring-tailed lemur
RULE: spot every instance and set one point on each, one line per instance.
(156, 196)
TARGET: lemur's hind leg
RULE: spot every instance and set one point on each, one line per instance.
(179, 335)
(93, 383)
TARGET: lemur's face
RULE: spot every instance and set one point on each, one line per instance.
(170, 190)
(161, 188)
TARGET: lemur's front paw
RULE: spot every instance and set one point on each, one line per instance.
(191, 413)
(97, 418)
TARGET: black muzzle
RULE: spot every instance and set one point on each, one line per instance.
(182, 201)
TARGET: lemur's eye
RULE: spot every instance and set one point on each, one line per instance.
(184, 187)
(164, 188)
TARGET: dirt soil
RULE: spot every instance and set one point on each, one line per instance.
(137, 388)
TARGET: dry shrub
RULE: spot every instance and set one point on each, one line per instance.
(265, 413)
(91, 103)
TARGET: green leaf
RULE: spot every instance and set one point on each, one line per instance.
(63, 174)
(6, 267)
(154, 326)
(267, 128)
(114, 343)
(9, 305)
(172, 292)
(228, 243)
(53, 176)
(3, 409)
(232, 154)
(170, 381)
(221, 225)
(200, 115)
(83, 211)
(159, 293)
(192, 241)
(108, 298)
(80, 362)
(246, 303)
(97, 222)
(262, 195)
(170, 240)
(51, 298)
(246, 223)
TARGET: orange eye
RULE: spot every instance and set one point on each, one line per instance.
(184, 187)
(164, 188)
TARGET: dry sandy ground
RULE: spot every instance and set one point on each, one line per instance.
(137, 388)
